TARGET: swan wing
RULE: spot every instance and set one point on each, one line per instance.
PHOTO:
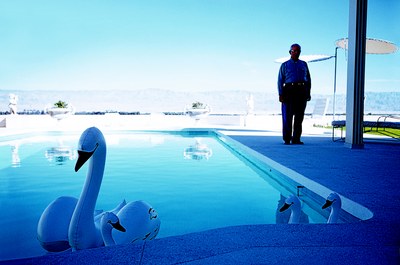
(52, 230)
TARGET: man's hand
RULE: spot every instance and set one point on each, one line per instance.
(308, 98)
(281, 99)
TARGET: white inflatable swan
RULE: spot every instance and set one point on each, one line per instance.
(335, 203)
(292, 202)
(71, 223)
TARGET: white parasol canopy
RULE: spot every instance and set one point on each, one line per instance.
(307, 58)
(373, 46)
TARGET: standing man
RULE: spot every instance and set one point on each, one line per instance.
(294, 87)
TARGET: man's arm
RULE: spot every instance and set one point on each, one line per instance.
(281, 81)
(308, 84)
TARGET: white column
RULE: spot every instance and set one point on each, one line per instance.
(356, 73)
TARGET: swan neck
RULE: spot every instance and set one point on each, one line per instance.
(93, 181)
(106, 233)
(295, 216)
(334, 215)
(82, 230)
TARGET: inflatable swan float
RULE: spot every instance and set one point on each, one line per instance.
(292, 202)
(71, 223)
(335, 203)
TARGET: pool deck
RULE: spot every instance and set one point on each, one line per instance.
(369, 176)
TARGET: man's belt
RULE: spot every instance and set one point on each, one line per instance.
(294, 84)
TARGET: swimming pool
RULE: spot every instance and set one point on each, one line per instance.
(196, 180)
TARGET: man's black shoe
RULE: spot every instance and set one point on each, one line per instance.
(287, 142)
(297, 142)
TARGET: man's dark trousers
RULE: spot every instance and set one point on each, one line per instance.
(294, 105)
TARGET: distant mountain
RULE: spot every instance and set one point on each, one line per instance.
(161, 100)
(375, 103)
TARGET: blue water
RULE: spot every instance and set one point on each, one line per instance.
(190, 192)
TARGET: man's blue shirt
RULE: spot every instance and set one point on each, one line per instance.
(292, 72)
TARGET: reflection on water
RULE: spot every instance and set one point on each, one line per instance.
(15, 160)
(21, 149)
(198, 151)
(60, 154)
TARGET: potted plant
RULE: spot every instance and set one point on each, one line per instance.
(61, 104)
(198, 110)
(60, 110)
(198, 105)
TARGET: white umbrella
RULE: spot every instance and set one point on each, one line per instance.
(373, 46)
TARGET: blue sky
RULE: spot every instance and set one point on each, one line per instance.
(183, 45)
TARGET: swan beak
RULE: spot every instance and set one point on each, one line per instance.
(82, 158)
(327, 204)
(118, 226)
(285, 207)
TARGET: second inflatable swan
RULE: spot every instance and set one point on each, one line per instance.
(108, 222)
(335, 202)
(70, 223)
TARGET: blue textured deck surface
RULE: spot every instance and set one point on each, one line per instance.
(369, 176)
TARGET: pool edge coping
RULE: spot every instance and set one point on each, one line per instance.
(356, 209)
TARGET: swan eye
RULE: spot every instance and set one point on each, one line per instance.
(111, 222)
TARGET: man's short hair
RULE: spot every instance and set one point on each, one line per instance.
(295, 45)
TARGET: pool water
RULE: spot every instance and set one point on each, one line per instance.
(192, 179)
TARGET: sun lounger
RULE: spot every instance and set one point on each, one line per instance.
(320, 108)
(381, 123)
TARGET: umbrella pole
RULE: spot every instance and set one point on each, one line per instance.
(334, 85)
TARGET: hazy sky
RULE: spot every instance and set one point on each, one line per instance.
(194, 45)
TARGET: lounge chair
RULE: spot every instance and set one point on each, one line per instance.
(320, 107)
(381, 123)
